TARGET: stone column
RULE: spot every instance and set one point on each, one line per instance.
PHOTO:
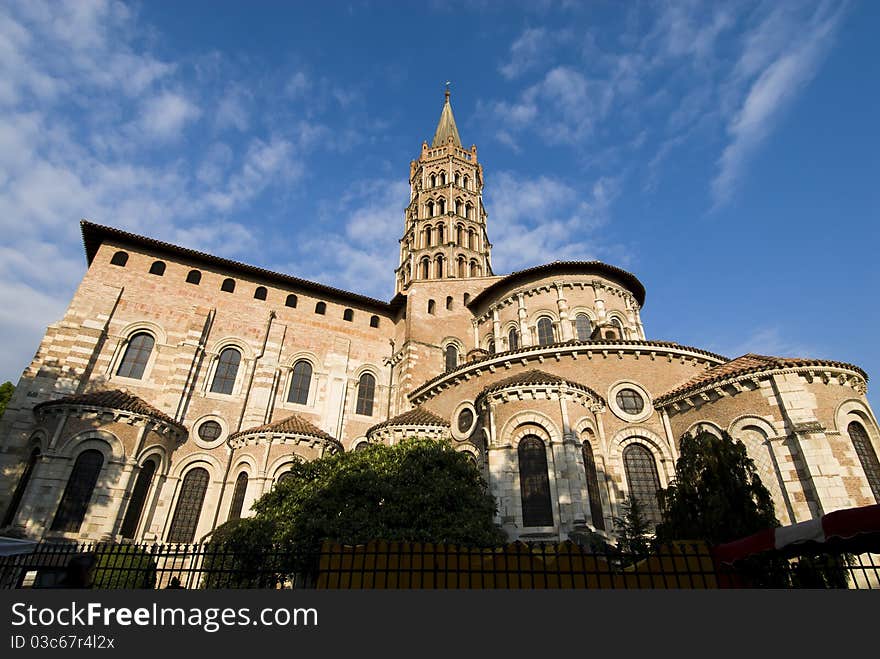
(525, 338)
(496, 329)
(562, 307)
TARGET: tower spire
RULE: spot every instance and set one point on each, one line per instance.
(446, 126)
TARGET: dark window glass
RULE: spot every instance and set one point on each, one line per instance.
(299, 383)
(9, 517)
(466, 298)
(227, 369)
(593, 486)
(630, 401)
(158, 268)
(430, 306)
(119, 258)
(616, 322)
(366, 391)
(451, 358)
(260, 293)
(642, 478)
(138, 499)
(449, 302)
(283, 477)
(513, 339)
(290, 301)
(374, 321)
(194, 277)
(228, 285)
(582, 327)
(348, 315)
(321, 308)
(545, 331)
(238, 496)
(491, 346)
(78, 493)
(534, 482)
(363, 446)
(189, 506)
(209, 431)
(137, 354)
(465, 420)
(867, 456)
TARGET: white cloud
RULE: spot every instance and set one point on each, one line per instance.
(771, 341)
(528, 51)
(165, 116)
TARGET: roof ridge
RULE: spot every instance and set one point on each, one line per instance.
(284, 425)
(110, 398)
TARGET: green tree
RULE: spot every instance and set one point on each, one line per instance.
(632, 529)
(716, 494)
(418, 491)
(6, 391)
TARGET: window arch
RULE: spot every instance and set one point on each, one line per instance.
(433, 180)
(120, 259)
(365, 395)
(189, 506)
(321, 308)
(426, 265)
(457, 178)
(448, 302)
(429, 236)
(474, 269)
(616, 322)
(78, 492)
(374, 321)
(512, 339)
(438, 267)
(260, 293)
(469, 214)
(348, 315)
(466, 298)
(228, 285)
(441, 206)
(238, 496)
(137, 354)
(138, 499)
(472, 235)
(158, 268)
(17, 496)
(582, 327)
(451, 357)
(442, 178)
(283, 477)
(431, 307)
(593, 485)
(227, 370)
(300, 382)
(862, 444)
(459, 207)
(290, 301)
(462, 267)
(642, 479)
(440, 232)
(194, 277)
(490, 346)
(459, 234)
(465, 181)
(534, 482)
(545, 331)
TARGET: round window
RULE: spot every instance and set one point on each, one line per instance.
(209, 431)
(630, 401)
(465, 420)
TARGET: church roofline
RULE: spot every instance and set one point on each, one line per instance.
(95, 234)
(629, 280)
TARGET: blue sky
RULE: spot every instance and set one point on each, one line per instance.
(725, 153)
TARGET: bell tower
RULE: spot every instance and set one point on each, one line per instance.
(445, 222)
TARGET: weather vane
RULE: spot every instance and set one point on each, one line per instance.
(447, 88)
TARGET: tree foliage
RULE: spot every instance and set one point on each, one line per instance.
(6, 391)
(716, 494)
(632, 529)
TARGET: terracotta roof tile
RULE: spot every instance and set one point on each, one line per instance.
(745, 364)
(537, 377)
(114, 399)
(417, 416)
(292, 425)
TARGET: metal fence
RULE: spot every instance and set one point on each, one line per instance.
(418, 565)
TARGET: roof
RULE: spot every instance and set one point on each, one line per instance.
(418, 416)
(446, 126)
(96, 234)
(627, 279)
(536, 377)
(114, 399)
(291, 425)
(746, 364)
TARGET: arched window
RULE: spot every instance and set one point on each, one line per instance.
(459, 234)
(17, 496)
(366, 392)
(158, 268)
(448, 302)
(348, 315)
(451, 357)
(466, 298)
(283, 477)
(862, 444)
(194, 277)
(457, 178)
(440, 233)
(490, 346)
(120, 259)
(472, 236)
(321, 308)
(228, 285)
(441, 206)
(431, 307)
(462, 267)
(459, 207)
(641, 476)
(429, 236)
(593, 486)
(616, 322)
(466, 182)
(473, 268)
(426, 265)
(512, 339)
(429, 207)
(442, 178)
(438, 268)
(138, 499)
(545, 331)
(534, 482)
(137, 354)
(260, 293)
(238, 496)
(582, 327)
(290, 301)
(78, 492)
(300, 382)
(227, 369)
(374, 321)
(189, 506)
(433, 180)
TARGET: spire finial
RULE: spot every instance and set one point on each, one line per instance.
(447, 89)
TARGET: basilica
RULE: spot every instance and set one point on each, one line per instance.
(179, 386)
